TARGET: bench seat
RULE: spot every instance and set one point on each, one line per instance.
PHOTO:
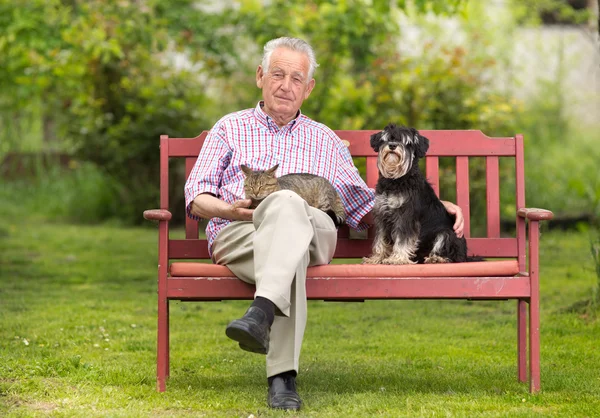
(474, 269)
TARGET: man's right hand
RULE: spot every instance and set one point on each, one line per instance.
(207, 206)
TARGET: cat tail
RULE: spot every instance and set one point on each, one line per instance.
(338, 211)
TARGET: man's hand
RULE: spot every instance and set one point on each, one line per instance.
(207, 206)
(240, 211)
(459, 223)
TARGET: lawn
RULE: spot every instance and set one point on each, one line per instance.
(78, 331)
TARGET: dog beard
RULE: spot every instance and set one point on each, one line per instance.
(393, 164)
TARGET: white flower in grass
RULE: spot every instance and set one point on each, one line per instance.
(25, 341)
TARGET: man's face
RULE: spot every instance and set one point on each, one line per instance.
(285, 85)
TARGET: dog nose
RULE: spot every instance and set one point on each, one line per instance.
(392, 146)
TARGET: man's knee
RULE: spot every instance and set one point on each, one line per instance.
(283, 197)
(281, 200)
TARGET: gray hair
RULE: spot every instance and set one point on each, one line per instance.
(294, 44)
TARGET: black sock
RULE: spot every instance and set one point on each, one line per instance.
(266, 306)
(289, 373)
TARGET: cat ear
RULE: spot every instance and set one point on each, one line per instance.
(247, 170)
(272, 169)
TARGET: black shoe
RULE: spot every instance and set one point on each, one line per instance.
(282, 393)
(251, 331)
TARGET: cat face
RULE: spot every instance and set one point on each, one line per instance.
(259, 184)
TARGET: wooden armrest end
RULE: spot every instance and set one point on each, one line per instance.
(535, 214)
(157, 215)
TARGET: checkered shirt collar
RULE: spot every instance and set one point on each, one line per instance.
(270, 124)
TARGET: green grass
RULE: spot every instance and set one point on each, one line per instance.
(78, 332)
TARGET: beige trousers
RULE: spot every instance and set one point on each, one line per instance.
(272, 252)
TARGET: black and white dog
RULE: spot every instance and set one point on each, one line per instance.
(411, 224)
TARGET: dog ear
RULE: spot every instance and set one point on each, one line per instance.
(422, 145)
(375, 140)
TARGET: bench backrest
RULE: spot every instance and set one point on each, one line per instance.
(462, 145)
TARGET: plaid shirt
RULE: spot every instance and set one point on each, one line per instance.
(252, 138)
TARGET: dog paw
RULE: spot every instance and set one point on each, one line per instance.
(375, 259)
(436, 259)
(398, 261)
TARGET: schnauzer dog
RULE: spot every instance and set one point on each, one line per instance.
(411, 224)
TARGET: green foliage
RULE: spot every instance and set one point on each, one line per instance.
(106, 75)
(437, 7)
(532, 12)
(563, 177)
(79, 193)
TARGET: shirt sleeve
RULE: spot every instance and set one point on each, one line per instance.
(207, 173)
(357, 197)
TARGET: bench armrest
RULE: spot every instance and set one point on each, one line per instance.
(535, 214)
(157, 215)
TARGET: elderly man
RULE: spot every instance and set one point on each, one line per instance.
(273, 245)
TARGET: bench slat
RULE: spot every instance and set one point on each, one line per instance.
(520, 195)
(462, 191)
(191, 226)
(442, 143)
(432, 173)
(492, 197)
(474, 269)
(358, 288)
(372, 172)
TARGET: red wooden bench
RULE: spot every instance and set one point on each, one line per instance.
(516, 276)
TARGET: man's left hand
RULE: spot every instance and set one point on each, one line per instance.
(459, 223)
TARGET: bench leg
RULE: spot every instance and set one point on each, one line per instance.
(162, 352)
(168, 354)
(534, 346)
(534, 309)
(522, 340)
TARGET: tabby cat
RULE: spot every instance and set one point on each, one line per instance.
(316, 190)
